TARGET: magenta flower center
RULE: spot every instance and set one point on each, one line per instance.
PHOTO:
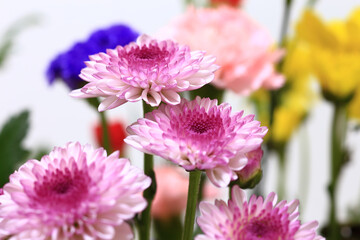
(266, 226)
(200, 125)
(266, 230)
(147, 56)
(62, 190)
(62, 187)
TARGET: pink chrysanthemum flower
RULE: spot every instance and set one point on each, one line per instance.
(256, 219)
(242, 47)
(75, 192)
(199, 135)
(151, 70)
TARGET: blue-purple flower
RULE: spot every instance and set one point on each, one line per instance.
(67, 65)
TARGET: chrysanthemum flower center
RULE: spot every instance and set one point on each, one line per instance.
(261, 230)
(202, 126)
(265, 228)
(62, 189)
(200, 123)
(147, 56)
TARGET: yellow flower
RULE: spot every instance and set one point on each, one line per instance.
(335, 53)
(296, 63)
(294, 107)
(337, 72)
(286, 121)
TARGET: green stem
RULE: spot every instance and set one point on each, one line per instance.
(285, 22)
(105, 133)
(188, 3)
(193, 192)
(281, 191)
(274, 95)
(94, 102)
(171, 228)
(209, 91)
(338, 134)
(144, 222)
(311, 3)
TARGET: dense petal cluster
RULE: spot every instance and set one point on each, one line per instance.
(256, 219)
(67, 65)
(242, 47)
(75, 192)
(199, 134)
(152, 70)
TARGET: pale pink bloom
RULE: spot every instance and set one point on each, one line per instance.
(171, 192)
(199, 135)
(256, 219)
(148, 69)
(75, 192)
(243, 48)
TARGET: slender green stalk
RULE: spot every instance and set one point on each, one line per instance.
(188, 2)
(209, 91)
(193, 192)
(144, 221)
(285, 21)
(338, 133)
(311, 3)
(274, 95)
(94, 102)
(281, 189)
(105, 133)
(171, 228)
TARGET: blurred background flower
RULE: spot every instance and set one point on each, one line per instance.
(243, 48)
(67, 65)
(232, 3)
(117, 135)
(335, 52)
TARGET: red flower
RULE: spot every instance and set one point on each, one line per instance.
(116, 134)
(232, 3)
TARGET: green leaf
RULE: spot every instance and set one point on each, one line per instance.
(12, 152)
(7, 41)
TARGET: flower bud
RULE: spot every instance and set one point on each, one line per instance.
(251, 174)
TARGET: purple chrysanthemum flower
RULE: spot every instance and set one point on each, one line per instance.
(151, 70)
(75, 192)
(199, 135)
(256, 219)
(67, 65)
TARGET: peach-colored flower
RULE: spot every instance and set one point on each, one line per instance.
(243, 48)
(171, 193)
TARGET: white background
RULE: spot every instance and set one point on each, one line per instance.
(57, 118)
